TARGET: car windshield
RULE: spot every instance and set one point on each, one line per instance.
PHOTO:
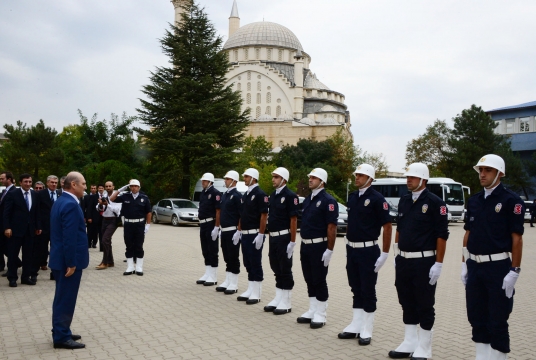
(455, 197)
(184, 204)
(342, 209)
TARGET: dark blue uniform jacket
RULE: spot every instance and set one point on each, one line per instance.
(230, 205)
(282, 207)
(209, 201)
(134, 209)
(253, 205)
(366, 215)
(317, 214)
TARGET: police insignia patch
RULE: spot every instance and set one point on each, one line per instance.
(266, 199)
(498, 207)
(209, 196)
(232, 196)
(253, 197)
(331, 207)
(443, 210)
(282, 200)
(141, 200)
(424, 208)
(318, 203)
(217, 197)
(295, 201)
(517, 209)
(367, 202)
(385, 206)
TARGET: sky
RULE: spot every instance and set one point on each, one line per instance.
(400, 64)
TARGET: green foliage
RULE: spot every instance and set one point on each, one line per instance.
(255, 150)
(377, 160)
(113, 170)
(195, 120)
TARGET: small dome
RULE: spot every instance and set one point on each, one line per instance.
(308, 121)
(265, 117)
(327, 121)
(263, 33)
(328, 108)
(284, 117)
(312, 82)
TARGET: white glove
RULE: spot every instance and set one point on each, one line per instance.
(290, 249)
(509, 282)
(258, 241)
(214, 233)
(435, 272)
(326, 257)
(463, 276)
(381, 261)
(236, 237)
(124, 188)
(147, 226)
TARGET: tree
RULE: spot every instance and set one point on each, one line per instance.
(31, 150)
(196, 121)
(430, 148)
(255, 150)
(377, 160)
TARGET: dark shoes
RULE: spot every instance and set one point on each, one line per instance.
(76, 337)
(304, 320)
(27, 281)
(52, 276)
(221, 289)
(348, 335)
(128, 272)
(12, 284)
(200, 282)
(139, 273)
(364, 341)
(317, 325)
(4, 274)
(269, 308)
(281, 311)
(399, 355)
(69, 344)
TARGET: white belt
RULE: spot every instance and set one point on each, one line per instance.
(252, 231)
(486, 258)
(135, 220)
(360, 244)
(418, 254)
(202, 221)
(314, 241)
(230, 228)
(279, 233)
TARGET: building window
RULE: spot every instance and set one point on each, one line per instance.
(246, 54)
(259, 88)
(249, 75)
(524, 125)
(249, 86)
(510, 125)
(258, 112)
(278, 111)
(248, 98)
(280, 56)
(269, 98)
(269, 54)
(239, 86)
(236, 55)
(258, 98)
(279, 101)
(258, 53)
(268, 111)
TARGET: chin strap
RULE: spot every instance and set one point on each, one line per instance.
(230, 186)
(418, 187)
(366, 184)
(319, 185)
(494, 180)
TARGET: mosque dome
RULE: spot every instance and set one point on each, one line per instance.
(327, 121)
(312, 82)
(328, 108)
(308, 121)
(265, 117)
(284, 117)
(263, 33)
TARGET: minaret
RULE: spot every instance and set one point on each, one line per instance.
(178, 4)
(298, 86)
(234, 20)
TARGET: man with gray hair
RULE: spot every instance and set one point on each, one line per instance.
(39, 186)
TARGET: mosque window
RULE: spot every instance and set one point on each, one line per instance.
(258, 77)
(240, 78)
(259, 86)
(258, 53)
(258, 112)
(279, 101)
(239, 87)
(268, 110)
(249, 75)
(280, 56)
(278, 111)
(236, 55)
(246, 54)
(269, 88)
(258, 98)
(269, 98)
(248, 98)
(269, 54)
(249, 86)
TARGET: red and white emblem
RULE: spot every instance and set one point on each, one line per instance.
(517, 209)
(217, 197)
(385, 206)
(331, 207)
(443, 210)
(266, 199)
(295, 201)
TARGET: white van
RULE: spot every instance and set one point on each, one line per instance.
(219, 184)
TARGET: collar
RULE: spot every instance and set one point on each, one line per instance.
(316, 192)
(23, 191)
(205, 190)
(487, 192)
(362, 191)
(51, 191)
(73, 195)
(251, 187)
(278, 190)
(415, 194)
(135, 195)
(231, 189)
(9, 187)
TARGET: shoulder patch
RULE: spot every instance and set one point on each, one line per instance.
(295, 201)
(217, 197)
(266, 199)
(331, 207)
(385, 206)
(443, 210)
(517, 209)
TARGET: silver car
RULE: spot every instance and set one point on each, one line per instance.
(176, 212)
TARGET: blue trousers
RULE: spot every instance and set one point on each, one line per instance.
(231, 252)
(134, 235)
(314, 271)
(64, 304)
(252, 258)
(488, 308)
(209, 247)
(361, 276)
(280, 263)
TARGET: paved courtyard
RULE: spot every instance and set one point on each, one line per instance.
(165, 315)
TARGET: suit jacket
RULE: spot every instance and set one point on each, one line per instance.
(17, 217)
(68, 238)
(2, 202)
(91, 203)
(45, 205)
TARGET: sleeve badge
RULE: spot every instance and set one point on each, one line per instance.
(517, 209)
(217, 197)
(331, 207)
(266, 199)
(443, 210)
(295, 201)
(385, 206)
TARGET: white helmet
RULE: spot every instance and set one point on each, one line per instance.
(134, 182)
(208, 177)
(233, 175)
(419, 170)
(254, 173)
(492, 161)
(281, 171)
(319, 173)
(366, 169)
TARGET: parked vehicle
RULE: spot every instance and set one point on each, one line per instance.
(528, 204)
(342, 221)
(176, 212)
(219, 184)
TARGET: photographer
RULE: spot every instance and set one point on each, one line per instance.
(110, 214)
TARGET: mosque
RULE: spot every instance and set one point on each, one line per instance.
(271, 69)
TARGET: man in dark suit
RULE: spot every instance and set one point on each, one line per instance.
(7, 180)
(94, 218)
(46, 199)
(21, 223)
(68, 257)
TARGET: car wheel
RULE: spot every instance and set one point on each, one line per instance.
(154, 219)
(175, 220)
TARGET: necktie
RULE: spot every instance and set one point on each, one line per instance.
(26, 199)
(52, 196)
(3, 194)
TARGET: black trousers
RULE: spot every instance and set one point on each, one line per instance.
(361, 276)
(231, 252)
(488, 308)
(134, 235)
(252, 258)
(209, 247)
(94, 233)
(108, 229)
(415, 294)
(314, 271)
(14, 245)
(280, 263)
(41, 249)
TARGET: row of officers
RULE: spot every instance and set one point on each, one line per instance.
(491, 254)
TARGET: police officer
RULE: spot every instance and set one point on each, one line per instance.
(318, 232)
(252, 225)
(209, 222)
(136, 209)
(420, 244)
(282, 225)
(493, 229)
(231, 201)
(368, 212)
